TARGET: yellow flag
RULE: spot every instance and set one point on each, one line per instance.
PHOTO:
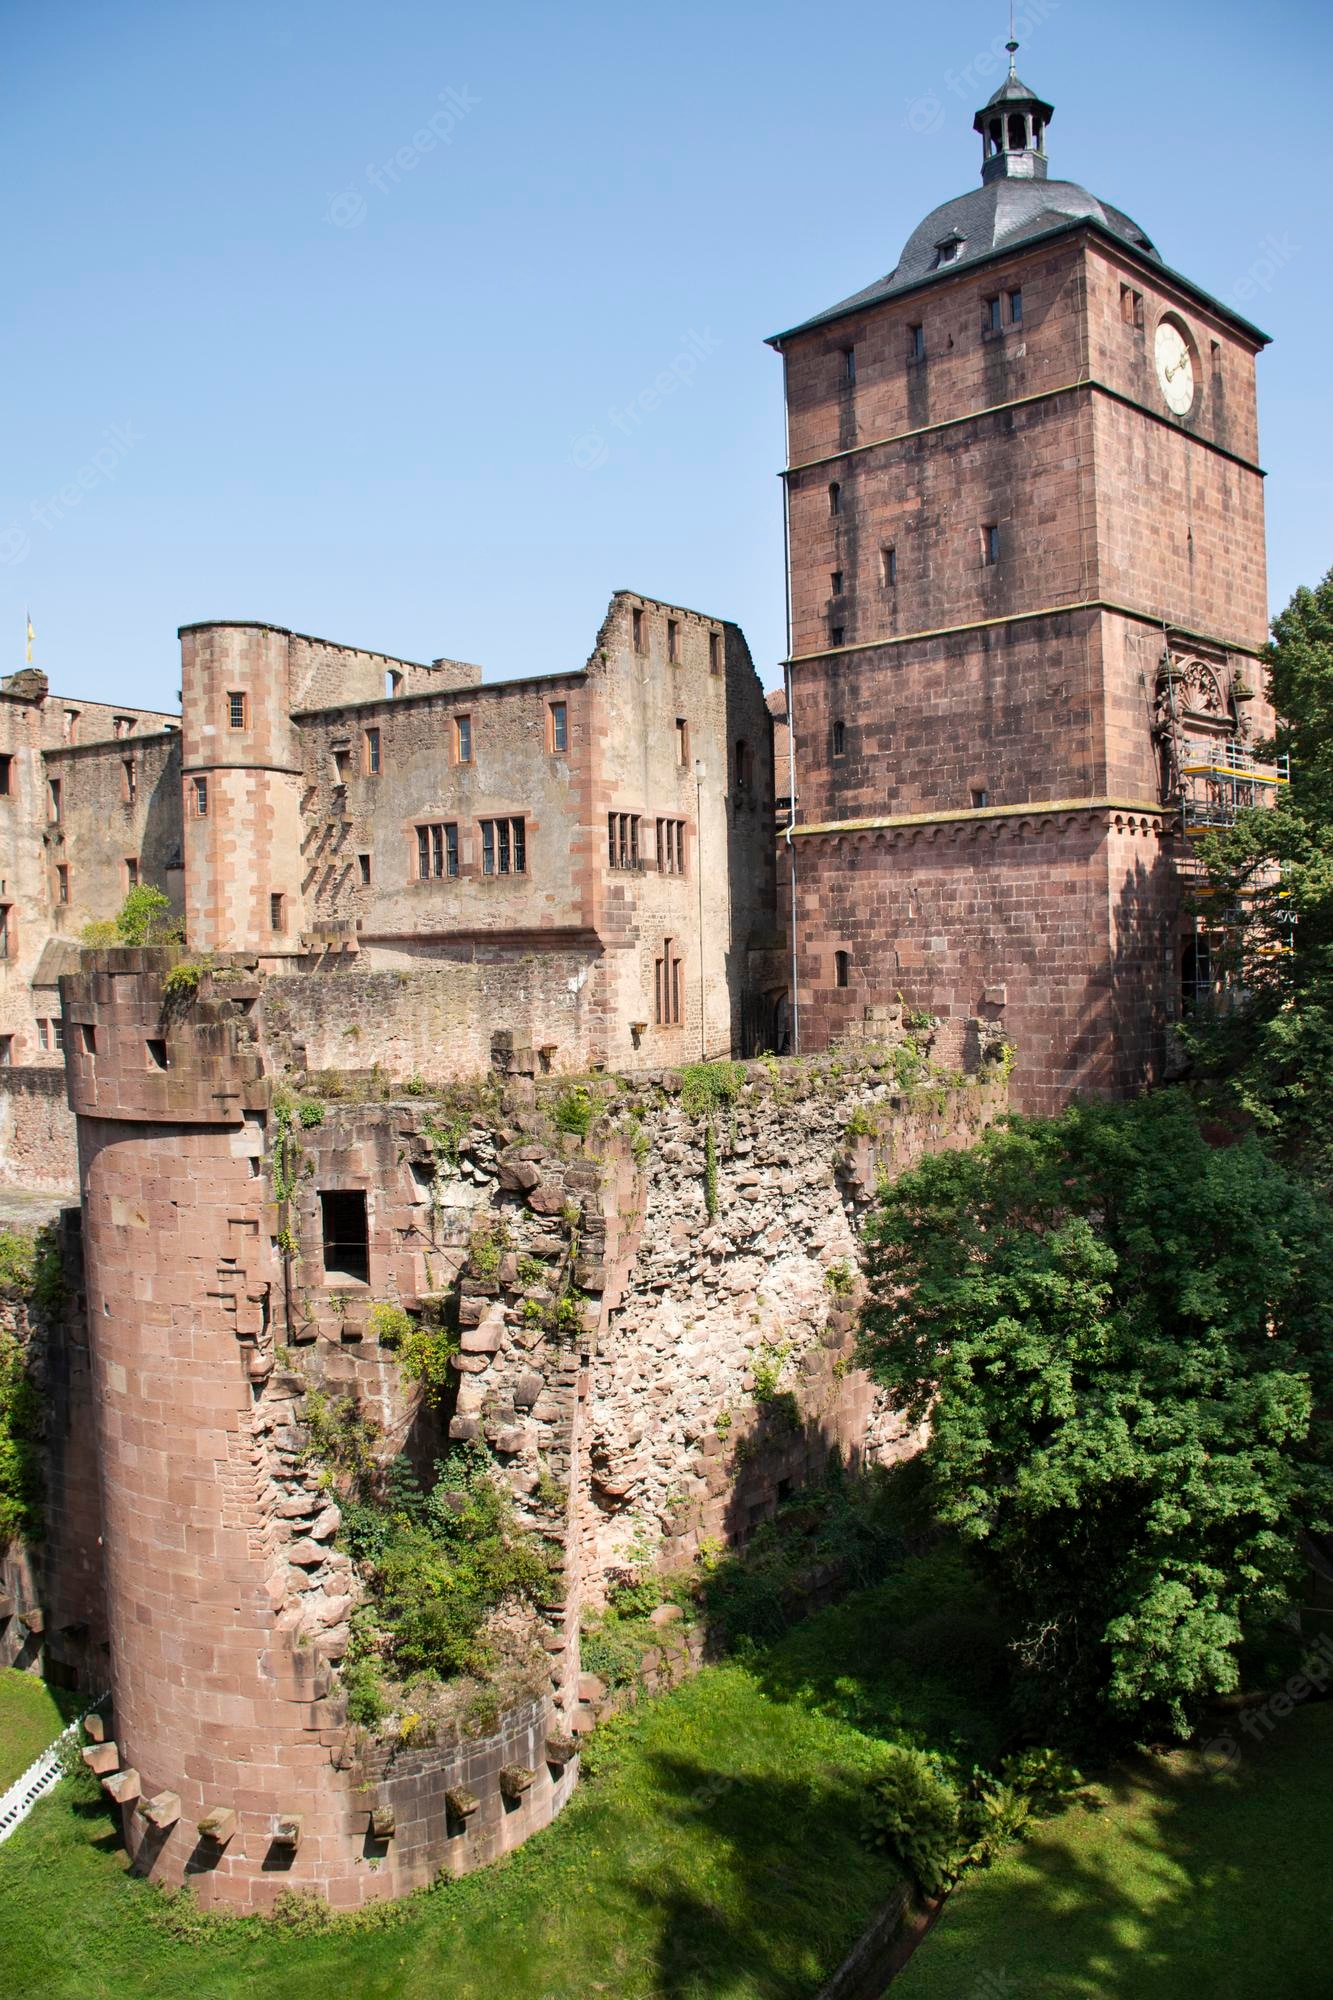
(31, 636)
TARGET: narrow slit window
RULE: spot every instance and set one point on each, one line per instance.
(130, 788)
(835, 583)
(842, 965)
(1016, 308)
(43, 1034)
(741, 764)
(53, 790)
(837, 634)
(341, 760)
(993, 319)
(62, 882)
(201, 798)
(6, 917)
(715, 652)
(372, 753)
(916, 343)
(889, 566)
(277, 905)
(6, 777)
(346, 1234)
(559, 726)
(463, 738)
(834, 497)
(88, 1037)
(636, 627)
(682, 740)
(840, 739)
(156, 1049)
(990, 543)
(673, 641)
(849, 365)
(131, 871)
(363, 862)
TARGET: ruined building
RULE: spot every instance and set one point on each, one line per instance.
(1026, 544)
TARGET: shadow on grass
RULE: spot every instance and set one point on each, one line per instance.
(779, 1889)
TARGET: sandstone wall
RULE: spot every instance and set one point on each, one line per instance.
(38, 1145)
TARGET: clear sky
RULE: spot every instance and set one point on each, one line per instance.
(311, 370)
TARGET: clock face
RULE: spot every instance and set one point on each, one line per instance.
(1175, 367)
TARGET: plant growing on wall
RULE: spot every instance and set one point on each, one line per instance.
(423, 1346)
(144, 918)
(20, 1467)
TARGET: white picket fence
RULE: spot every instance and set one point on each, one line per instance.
(39, 1778)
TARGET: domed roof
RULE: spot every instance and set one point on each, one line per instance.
(1016, 201)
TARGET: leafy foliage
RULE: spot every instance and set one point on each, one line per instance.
(145, 917)
(936, 1824)
(1122, 1335)
(708, 1086)
(1272, 1047)
(437, 1565)
(423, 1345)
(575, 1110)
(20, 1469)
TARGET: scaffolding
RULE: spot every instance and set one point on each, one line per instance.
(1220, 777)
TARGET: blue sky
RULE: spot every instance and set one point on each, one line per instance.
(313, 372)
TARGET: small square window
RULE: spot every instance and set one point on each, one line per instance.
(980, 797)
(715, 652)
(1131, 306)
(636, 627)
(363, 862)
(835, 583)
(372, 753)
(993, 320)
(888, 559)
(990, 543)
(673, 641)
(156, 1050)
(559, 726)
(916, 343)
(236, 709)
(1016, 308)
(463, 739)
(88, 1037)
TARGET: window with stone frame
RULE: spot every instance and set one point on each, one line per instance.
(667, 986)
(372, 753)
(437, 851)
(622, 840)
(559, 727)
(504, 846)
(671, 847)
(236, 709)
(199, 798)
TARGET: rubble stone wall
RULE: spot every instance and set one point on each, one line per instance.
(38, 1147)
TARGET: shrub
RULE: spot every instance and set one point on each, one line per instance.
(767, 1368)
(424, 1347)
(707, 1086)
(311, 1113)
(181, 982)
(145, 917)
(575, 1111)
(20, 1469)
(913, 1812)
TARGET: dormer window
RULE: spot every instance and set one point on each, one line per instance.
(948, 248)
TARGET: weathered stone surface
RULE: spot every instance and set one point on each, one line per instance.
(218, 1825)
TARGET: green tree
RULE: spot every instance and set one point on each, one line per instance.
(1121, 1336)
(1271, 1048)
(145, 917)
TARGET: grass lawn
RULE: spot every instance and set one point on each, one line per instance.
(31, 1716)
(1184, 1884)
(714, 1857)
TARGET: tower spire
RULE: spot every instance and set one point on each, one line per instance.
(1013, 125)
(1011, 44)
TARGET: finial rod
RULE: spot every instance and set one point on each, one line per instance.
(1011, 44)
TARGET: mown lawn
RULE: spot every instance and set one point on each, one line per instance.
(1185, 1883)
(31, 1716)
(715, 1857)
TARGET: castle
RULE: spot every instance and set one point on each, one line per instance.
(1025, 542)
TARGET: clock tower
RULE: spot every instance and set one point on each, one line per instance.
(1027, 588)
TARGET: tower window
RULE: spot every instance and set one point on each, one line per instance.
(373, 752)
(1016, 308)
(364, 863)
(53, 790)
(835, 583)
(715, 652)
(888, 560)
(130, 789)
(916, 343)
(840, 739)
(6, 777)
(345, 1233)
(503, 847)
(131, 871)
(834, 498)
(849, 365)
(837, 634)
(666, 985)
(993, 319)
(463, 738)
(636, 627)
(277, 912)
(1131, 306)
(682, 740)
(201, 798)
(673, 641)
(559, 726)
(990, 543)
(43, 1034)
(980, 797)
(236, 709)
(1018, 132)
(842, 965)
